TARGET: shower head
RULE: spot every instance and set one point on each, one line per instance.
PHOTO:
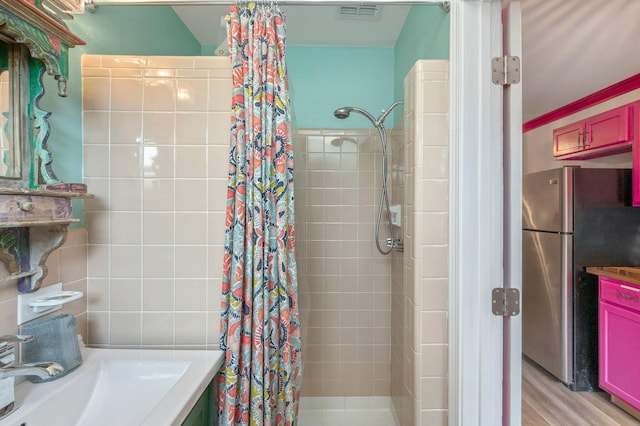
(342, 113)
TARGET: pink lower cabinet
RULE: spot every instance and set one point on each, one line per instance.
(619, 340)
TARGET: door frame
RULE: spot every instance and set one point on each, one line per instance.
(512, 144)
(476, 207)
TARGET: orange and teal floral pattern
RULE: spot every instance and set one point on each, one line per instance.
(260, 380)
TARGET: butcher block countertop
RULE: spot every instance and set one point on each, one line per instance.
(626, 273)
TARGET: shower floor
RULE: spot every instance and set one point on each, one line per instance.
(349, 411)
(364, 417)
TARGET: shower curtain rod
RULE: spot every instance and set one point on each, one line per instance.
(443, 4)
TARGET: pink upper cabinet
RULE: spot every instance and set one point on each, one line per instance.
(607, 133)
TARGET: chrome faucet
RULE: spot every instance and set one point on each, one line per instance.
(44, 370)
(11, 367)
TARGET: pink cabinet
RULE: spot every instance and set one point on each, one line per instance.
(607, 133)
(567, 140)
(635, 172)
(619, 340)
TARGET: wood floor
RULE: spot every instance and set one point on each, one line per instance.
(546, 401)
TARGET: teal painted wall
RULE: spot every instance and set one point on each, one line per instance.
(126, 30)
(325, 78)
(425, 35)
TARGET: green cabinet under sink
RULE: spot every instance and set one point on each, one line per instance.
(202, 413)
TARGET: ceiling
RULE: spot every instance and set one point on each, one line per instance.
(307, 25)
(571, 48)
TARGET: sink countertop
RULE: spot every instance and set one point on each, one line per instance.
(172, 409)
(626, 273)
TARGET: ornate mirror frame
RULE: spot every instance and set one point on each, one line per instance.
(35, 209)
(48, 42)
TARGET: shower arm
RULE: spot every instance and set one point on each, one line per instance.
(384, 114)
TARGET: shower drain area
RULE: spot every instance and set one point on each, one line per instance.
(352, 411)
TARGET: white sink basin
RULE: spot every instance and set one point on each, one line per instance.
(119, 387)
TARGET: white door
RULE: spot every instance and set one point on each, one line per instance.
(485, 217)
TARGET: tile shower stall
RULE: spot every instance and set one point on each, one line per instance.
(156, 137)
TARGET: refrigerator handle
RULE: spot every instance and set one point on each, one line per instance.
(567, 199)
(567, 304)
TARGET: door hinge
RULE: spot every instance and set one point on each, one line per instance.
(505, 302)
(505, 70)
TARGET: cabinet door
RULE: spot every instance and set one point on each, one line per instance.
(619, 346)
(201, 414)
(568, 139)
(635, 170)
(609, 128)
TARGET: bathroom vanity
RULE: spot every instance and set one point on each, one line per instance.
(125, 387)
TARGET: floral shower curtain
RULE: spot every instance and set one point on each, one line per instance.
(260, 326)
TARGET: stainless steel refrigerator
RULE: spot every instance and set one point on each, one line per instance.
(572, 218)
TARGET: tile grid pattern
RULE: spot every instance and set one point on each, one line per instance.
(155, 137)
(421, 398)
(344, 282)
(399, 326)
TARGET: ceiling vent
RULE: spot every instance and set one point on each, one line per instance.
(362, 12)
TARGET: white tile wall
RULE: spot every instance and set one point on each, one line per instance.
(420, 304)
(156, 137)
(344, 283)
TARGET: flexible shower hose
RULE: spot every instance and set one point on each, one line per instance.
(384, 196)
